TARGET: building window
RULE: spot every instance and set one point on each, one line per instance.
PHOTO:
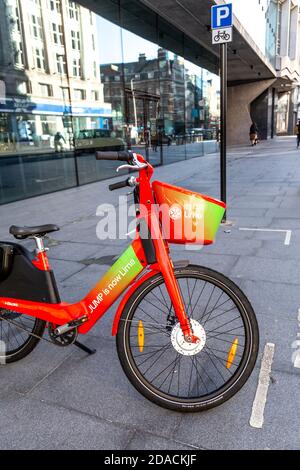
(91, 18)
(73, 10)
(49, 125)
(39, 55)
(93, 42)
(61, 64)
(17, 20)
(95, 95)
(37, 30)
(79, 94)
(76, 67)
(55, 5)
(18, 54)
(57, 31)
(21, 87)
(65, 93)
(95, 69)
(45, 89)
(75, 38)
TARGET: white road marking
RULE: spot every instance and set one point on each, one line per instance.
(288, 233)
(288, 237)
(258, 408)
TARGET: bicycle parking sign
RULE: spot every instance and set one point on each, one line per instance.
(221, 23)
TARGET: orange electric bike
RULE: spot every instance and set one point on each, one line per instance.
(187, 337)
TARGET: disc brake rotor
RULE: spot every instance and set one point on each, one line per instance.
(182, 346)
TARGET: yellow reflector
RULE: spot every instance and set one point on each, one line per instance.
(232, 353)
(141, 336)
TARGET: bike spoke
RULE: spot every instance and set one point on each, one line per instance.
(15, 330)
(175, 373)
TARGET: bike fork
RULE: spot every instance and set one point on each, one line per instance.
(172, 286)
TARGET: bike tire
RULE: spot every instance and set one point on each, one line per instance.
(218, 396)
(16, 343)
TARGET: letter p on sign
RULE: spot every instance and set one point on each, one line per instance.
(221, 16)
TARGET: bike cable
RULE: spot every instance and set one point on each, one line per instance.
(28, 332)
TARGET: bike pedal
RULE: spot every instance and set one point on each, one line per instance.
(69, 326)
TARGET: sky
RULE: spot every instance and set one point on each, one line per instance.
(109, 37)
(110, 51)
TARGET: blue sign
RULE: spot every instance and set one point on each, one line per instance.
(21, 105)
(221, 16)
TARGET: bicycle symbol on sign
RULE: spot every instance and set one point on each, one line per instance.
(222, 35)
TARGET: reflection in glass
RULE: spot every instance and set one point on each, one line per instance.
(272, 16)
(72, 82)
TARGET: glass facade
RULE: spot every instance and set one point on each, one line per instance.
(260, 18)
(272, 28)
(73, 81)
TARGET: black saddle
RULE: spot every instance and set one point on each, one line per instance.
(40, 231)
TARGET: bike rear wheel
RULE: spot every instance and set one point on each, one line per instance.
(167, 370)
(16, 340)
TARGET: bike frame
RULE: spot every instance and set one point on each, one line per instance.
(129, 270)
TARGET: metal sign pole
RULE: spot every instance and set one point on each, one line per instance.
(222, 30)
(223, 156)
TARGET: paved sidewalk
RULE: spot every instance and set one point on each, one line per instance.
(60, 398)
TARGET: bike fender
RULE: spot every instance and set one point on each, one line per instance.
(127, 296)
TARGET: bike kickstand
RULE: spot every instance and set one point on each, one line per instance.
(84, 348)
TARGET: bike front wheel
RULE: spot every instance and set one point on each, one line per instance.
(178, 375)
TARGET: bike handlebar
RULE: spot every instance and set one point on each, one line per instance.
(119, 185)
(121, 156)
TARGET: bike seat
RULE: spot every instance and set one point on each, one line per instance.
(24, 232)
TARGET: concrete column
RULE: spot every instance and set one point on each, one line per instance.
(294, 38)
(239, 119)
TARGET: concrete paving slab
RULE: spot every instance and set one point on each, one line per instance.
(96, 385)
(74, 251)
(266, 269)
(34, 424)
(228, 427)
(21, 377)
(64, 269)
(272, 298)
(223, 263)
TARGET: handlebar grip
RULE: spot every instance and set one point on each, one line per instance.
(121, 156)
(120, 184)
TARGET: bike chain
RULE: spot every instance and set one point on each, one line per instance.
(28, 332)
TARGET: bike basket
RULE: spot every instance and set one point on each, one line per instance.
(187, 217)
(6, 259)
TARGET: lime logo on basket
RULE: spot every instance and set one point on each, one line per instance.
(175, 212)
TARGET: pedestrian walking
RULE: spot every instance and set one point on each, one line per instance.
(59, 142)
(253, 134)
(298, 134)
